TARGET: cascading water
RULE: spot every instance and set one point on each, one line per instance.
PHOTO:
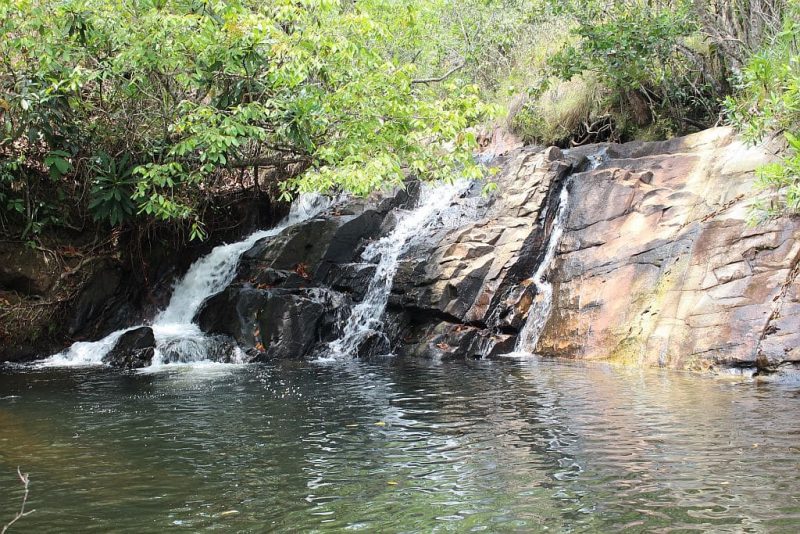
(365, 318)
(543, 302)
(178, 338)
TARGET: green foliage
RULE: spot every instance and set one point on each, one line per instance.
(768, 100)
(484, 37)
(643, 53)
(111, 190)
(153, 105)
(137, 112)
(783, 180)
(627, 46)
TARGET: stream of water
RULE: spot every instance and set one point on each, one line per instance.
(173, 328)
(398, 446)
(542, 305)
(543, 301)
(366, 316)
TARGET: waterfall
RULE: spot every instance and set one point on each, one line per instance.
(542, 305)
(173, 328)
(543, 301)
(365, 318)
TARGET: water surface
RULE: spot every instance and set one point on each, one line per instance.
(398, 446)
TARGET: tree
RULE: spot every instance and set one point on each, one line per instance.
(137, 110)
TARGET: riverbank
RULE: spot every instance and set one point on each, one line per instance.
(640, 253)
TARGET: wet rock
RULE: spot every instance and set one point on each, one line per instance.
(470, 275)
(277, 322)
(352, 278)
(133, 350)
(656, 266)
(287, 324)
(314, 247)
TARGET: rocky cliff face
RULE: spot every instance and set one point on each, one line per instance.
(656, 266)
(649, 262)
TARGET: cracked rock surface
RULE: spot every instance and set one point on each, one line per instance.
(657, 265)
(666, 270)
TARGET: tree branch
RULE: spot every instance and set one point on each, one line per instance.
(442, 77)
(22, 513)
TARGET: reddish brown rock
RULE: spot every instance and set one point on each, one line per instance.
(666, 270)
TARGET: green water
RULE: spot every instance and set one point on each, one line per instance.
(390, 446)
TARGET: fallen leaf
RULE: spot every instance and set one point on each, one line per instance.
(380, 423)
(228, 512)
(302, 270)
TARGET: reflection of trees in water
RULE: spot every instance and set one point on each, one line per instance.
(288, 444)
(458, 438)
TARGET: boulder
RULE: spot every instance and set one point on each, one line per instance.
(133, 350)
(277, 322)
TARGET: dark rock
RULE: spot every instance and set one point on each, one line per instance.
(232, 312)
(277, 322)
(26, 270)
(287, 324)
(133, 350)
(351, 278)
(102, 298)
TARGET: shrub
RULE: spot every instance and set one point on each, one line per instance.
(559, 112)
(134, 112)
(642, 53)
(767, 101)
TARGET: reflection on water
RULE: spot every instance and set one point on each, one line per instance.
(390, 445)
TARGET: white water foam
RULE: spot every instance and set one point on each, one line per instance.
(540, 308)
(365, 319)
(173, 328)
(543, 303)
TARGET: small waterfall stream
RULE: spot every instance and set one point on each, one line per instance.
(543, 301)
(173, 328)
(542, 305)
(366, 317)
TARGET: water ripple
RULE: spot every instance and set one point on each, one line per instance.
(395, 446)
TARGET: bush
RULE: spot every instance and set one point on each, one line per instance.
(643, 53)
(555, 116)
(767, 101)
(135, 112)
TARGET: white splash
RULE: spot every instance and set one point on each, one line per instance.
(431, 211)
(543, 302)
(540, 309)
(176, 335)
